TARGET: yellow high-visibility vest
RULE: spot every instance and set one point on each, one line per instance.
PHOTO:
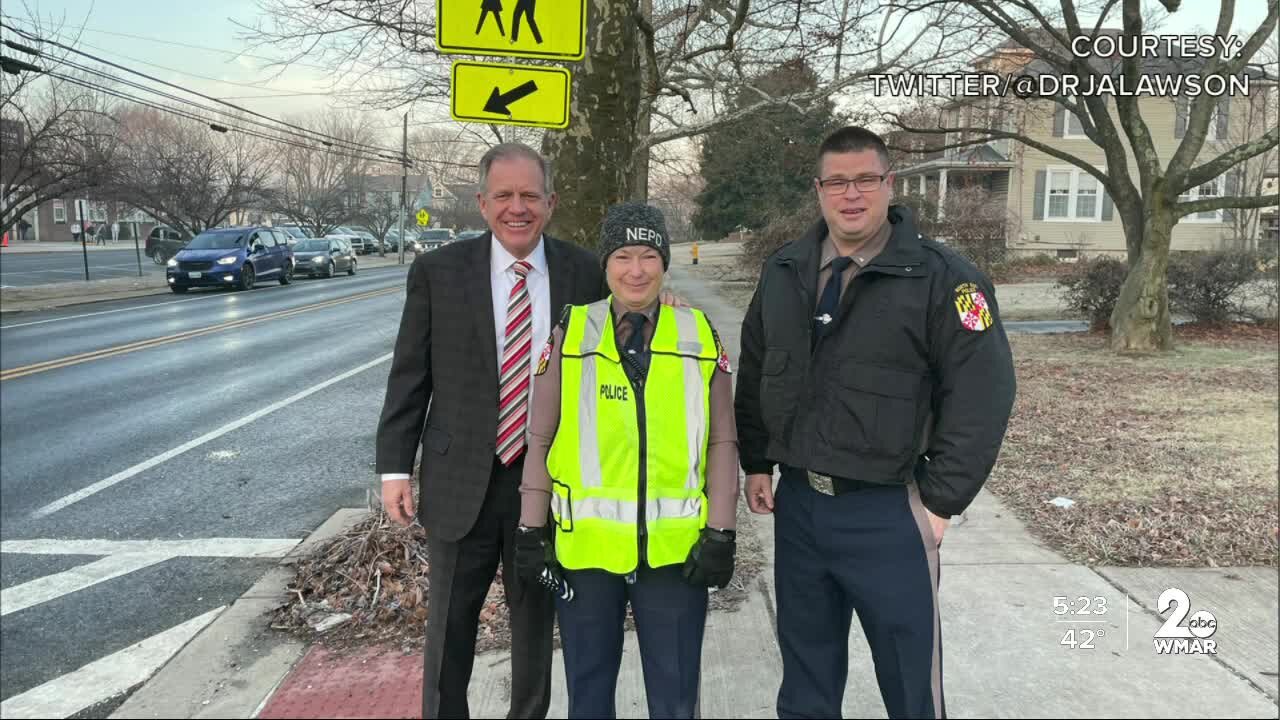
(610, 437)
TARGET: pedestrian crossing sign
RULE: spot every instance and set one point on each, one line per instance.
(542, 29)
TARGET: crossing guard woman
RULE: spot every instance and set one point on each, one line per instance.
(633, 449)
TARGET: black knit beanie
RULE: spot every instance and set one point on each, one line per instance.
(634, 224)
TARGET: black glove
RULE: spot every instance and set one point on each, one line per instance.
(532, 552)
(710, 562)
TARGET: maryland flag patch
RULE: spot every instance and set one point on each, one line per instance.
(971, 305)
(545, 357)
(722, 357)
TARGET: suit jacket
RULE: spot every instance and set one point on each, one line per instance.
(445, 372)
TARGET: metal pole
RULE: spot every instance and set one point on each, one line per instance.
(404, 181)
(84, 239)
(137, 249)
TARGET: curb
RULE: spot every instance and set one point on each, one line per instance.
(232, 668)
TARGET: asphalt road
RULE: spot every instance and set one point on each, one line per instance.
(229, 418)
(19, 269)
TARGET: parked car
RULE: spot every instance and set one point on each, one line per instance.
(434, 238)
(468, 234)
(357, 241)
(163, 242)
(323, 257)
(295, 232)
(231, 257)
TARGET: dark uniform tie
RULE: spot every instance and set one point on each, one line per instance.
(829, 302)
(635, 349)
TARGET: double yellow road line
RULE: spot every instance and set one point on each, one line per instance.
(24, 370)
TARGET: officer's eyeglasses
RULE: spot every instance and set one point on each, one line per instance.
(863, 183)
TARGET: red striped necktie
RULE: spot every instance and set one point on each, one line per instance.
(513, 380)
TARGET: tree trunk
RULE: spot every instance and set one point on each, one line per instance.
(1140, 322)
(593, 157)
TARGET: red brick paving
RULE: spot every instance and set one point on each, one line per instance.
(372, 683)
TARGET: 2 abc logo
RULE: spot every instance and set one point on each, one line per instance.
(1193, 638)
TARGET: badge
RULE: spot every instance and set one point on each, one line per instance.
(545, 357)
(971, 305)
(722, 361)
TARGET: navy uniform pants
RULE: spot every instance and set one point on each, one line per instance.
(871, 551)
(670, 615)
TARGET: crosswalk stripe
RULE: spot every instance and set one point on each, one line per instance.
(49, 587)
(195, 547)
(106, 677)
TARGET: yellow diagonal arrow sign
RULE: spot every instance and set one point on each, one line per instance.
(510, 94)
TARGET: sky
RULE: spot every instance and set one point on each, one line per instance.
(195, 44)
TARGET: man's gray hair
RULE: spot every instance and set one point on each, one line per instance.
(510, 150)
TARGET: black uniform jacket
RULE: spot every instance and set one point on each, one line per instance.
(915, 380)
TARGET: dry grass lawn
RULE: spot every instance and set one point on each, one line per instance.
(1171, 460)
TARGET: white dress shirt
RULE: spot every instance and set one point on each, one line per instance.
(501, 279)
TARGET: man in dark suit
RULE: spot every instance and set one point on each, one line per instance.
(460, 385)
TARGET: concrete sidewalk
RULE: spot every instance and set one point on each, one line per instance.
(1003, 648)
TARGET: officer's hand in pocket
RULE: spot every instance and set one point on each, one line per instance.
(710, 561)
(531, 553)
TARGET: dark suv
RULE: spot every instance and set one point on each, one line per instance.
(232, 257)
(163, 242)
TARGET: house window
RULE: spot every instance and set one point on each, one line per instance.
(1059, 194)
(437, 192)
(1073, 128)
(1073, 195)
(59, 212)
(1086, 196)
(1211, 189)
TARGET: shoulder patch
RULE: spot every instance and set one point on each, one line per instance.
(545, 357)
(722, 357)
(972, 307)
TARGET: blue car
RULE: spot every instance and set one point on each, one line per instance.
(232, 257)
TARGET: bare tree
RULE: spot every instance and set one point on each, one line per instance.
(185, 173)
(1260, 112)
(56, 132)
(379, 213)
(320, 188)
(657, 73)
(1151, 203)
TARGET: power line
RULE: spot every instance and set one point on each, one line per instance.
(175, 98)
(197, 118)
(193, 92)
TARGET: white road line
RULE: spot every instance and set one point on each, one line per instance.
(106, 677)
(196, 547)
(41, 590)
(123, 475)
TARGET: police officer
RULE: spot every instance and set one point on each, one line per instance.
(632, 446)
(876, 374)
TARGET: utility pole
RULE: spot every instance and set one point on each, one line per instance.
(404, 181)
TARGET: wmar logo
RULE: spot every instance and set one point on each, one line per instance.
(1174, 638)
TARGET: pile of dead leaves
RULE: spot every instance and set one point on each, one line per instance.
(369, 585)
